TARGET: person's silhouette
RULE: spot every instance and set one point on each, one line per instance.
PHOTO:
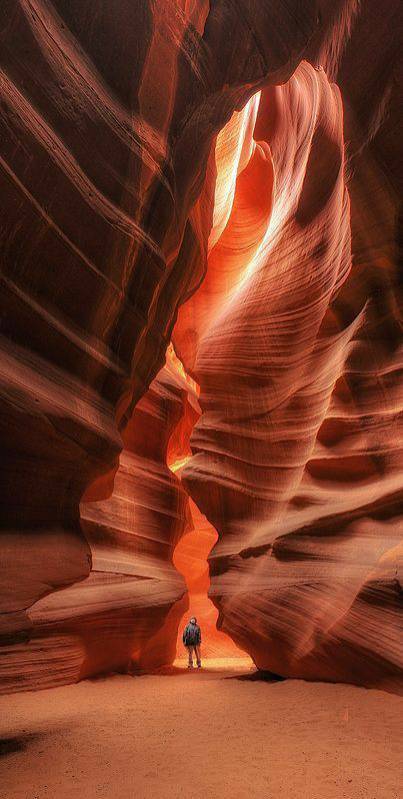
(192, 641)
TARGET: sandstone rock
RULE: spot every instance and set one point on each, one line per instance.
(102, 115)
(296, 455)
(184, 162)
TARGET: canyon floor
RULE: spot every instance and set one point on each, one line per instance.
(202, 735)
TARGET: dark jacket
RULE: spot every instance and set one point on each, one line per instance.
(192, 635)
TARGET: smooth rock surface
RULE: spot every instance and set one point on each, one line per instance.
(225, 175)
(297, 454)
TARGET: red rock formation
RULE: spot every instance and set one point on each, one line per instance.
(115, 183)
(133, 536)
(109, 620)
(103, 154)
(296, 455)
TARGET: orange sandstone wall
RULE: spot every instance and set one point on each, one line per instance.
(297, 454)
(107, 120)
(184, 162)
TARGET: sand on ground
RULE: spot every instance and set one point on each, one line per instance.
(200, 735)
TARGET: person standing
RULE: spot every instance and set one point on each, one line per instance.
(192, 641)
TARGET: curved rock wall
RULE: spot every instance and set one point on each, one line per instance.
(297, 455)
(103, 155)
(125, 614)
(133, 535)
(116, 183)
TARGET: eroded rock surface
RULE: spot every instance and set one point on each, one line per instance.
(297, 455)
(134, 144)
(107, 122)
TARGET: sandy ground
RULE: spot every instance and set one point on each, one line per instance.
(201, 735)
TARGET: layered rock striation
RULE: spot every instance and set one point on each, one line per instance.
(297, 455)
(107, 121)
(124, 615)
(190, 170)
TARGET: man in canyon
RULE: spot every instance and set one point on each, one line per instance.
(192, 641)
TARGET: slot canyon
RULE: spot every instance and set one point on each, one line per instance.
(201, 347)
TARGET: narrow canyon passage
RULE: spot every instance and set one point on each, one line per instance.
(190, 558)
(201, 399)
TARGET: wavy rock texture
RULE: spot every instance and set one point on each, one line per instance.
(125, 614)
(134, 142)
(297, 455)
(107, 122)
(134, 533)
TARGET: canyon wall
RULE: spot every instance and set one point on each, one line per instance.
(108, 117)
(298, 453)
(190, 170)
